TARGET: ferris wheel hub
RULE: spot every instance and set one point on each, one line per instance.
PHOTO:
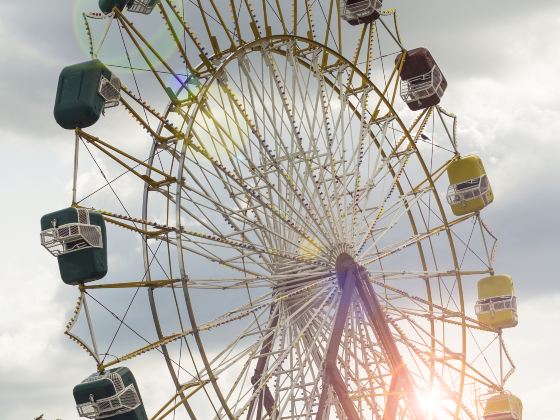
(344, 265)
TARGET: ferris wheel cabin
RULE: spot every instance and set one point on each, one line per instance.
(496, 305)
(357, 12)
(84, 91)
(110, 395)
(422, 82)
(137, 6)
(503, 406)
(77, 237)
(469, 190)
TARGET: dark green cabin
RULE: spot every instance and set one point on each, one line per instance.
(79, 99)
(80, 246)
(137, 6)
(112, 395)
(106, 6)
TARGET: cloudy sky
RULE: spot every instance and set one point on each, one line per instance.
(501, 60)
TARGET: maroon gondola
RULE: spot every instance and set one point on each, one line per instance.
(422, 82)
(357, 12)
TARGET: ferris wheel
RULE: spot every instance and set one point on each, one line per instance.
(305, 233)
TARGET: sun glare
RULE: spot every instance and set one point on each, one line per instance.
(433, 403)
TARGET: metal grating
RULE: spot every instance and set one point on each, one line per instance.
(110, 90)
(468, 190)
(125, 399)
(83, 216)
(143, 6)
(423, 86)
(71, 237)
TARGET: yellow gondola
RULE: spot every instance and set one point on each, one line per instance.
(469, 188)
(503, 406)
(496, 304)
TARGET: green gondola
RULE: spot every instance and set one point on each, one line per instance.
(111, 395)
(77, 237)
(84, 91)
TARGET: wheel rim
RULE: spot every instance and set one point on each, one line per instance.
(311, 246)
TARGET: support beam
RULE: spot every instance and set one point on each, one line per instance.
(346, 274)
(265, 397)
(354, 278)
(401, 384)
(341, 390)
(392, 404)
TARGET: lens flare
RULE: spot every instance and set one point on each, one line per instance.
(115, 54)
(434, 403)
